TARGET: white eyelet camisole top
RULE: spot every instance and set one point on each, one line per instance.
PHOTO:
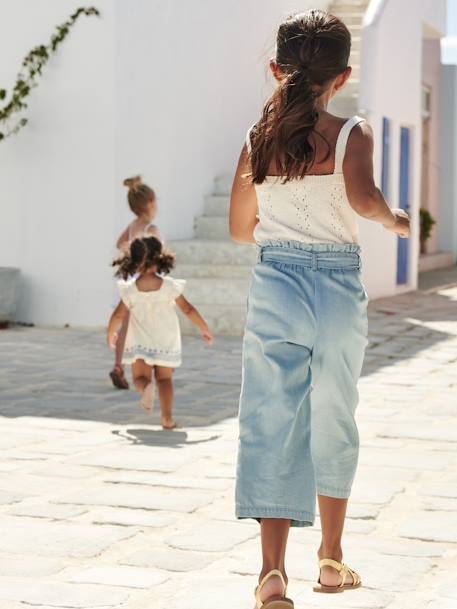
(313, 209)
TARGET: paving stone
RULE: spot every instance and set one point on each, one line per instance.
(440, 504)
(57, 594)
(24, 536)
(425, 460)
(140, 458)
(7, 498)
(131, 517)
(448, 591)
(134, 496)
(128, 577)
(170, 559)
(63, 470)
(361, 599)
(29, 567)
(9, 467)
(378, 492)
(152, 479)
(56, 512)
(432, 526)
(212, 537)
(224, 592)
(420, 431)
(442, 603)
(447, 490)
(363, 511)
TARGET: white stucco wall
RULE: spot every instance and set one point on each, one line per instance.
(57, 176)
(164, 88)
(391, 87)
(447, 228)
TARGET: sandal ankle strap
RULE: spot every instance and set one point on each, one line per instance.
(272, 573)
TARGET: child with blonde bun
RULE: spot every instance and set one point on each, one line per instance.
(143, 203)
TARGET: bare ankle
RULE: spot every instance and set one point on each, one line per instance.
(333, 551)
(266, 568)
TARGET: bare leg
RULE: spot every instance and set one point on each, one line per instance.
(274, 532)
(117, 373)
(332, 513)
(164, 379)
(142, 375)
(121, 341)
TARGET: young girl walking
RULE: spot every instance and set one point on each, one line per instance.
(142, 202)
(153, 341)
(303, 177)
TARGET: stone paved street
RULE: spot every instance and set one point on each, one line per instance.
(100, 508)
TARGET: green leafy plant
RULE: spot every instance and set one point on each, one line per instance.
(31, 70)
(426, 226)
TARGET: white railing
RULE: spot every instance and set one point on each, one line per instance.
(373, 12)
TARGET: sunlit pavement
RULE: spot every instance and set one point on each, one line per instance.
(101, 508)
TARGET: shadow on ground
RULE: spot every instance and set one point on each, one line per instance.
(63, 373)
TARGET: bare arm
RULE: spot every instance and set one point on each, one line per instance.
(364, 196)
(123, 240)
(115, 323)
(191, 312)
(153, 232)
(243, 203)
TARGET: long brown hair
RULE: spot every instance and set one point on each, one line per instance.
(139, 194)
(312, 49)
(144, 254)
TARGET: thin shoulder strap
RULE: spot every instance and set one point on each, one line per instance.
(342, 141)
(248, 139)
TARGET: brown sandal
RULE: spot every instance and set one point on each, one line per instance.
(118, 377)
(343, 571)
(274, 602)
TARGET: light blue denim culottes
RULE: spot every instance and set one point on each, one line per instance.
(303, 350)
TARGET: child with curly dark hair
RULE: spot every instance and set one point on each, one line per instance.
(153, 342)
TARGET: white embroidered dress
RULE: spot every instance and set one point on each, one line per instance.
(154, 334)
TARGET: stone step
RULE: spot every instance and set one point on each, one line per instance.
(350, 17)
(351, 88)
(217, 205)
(211, 227)
(217, 291)
(353, 5)
(204, 251)
(227, 271)
(223, 320)
(344, 106)
(223, 185)
(355, 29)
(355, 72)
(356, 44)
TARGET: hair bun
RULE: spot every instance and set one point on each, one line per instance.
(133, 183)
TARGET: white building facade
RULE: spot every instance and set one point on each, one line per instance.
(167, 89)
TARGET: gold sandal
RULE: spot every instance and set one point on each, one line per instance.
(274, 602)
(343, 571)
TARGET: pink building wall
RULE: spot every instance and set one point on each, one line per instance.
(431, 74)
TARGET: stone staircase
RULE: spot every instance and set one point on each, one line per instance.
(346, 104)
(217, 270)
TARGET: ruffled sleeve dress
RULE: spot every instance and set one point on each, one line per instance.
(154, 334)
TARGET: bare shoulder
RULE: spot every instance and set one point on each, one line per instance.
(361, 137)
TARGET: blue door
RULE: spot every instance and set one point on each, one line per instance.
(385, 176)
(405, 192)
